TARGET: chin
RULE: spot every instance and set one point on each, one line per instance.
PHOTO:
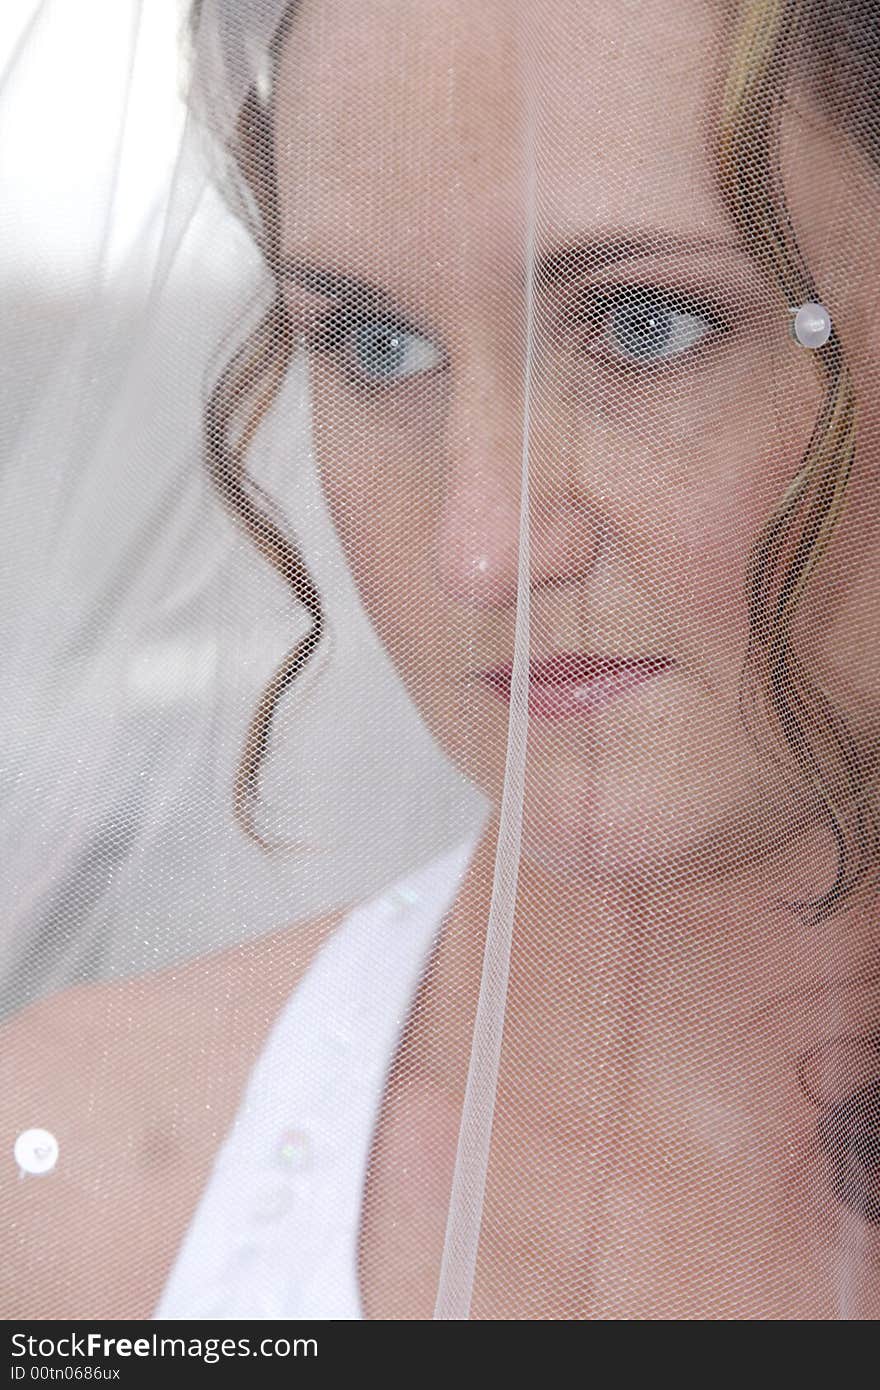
(576, 830)
(634, 827)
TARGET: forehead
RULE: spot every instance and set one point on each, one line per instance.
(418, 120)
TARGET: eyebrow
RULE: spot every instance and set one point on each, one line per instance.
(557, 265)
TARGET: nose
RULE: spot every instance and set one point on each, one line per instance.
(478, 540)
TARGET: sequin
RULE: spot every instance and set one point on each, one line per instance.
(403, 897)
(294, 1149)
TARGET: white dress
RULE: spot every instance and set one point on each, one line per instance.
(276, 1228)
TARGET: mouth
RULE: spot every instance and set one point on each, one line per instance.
(574, 683)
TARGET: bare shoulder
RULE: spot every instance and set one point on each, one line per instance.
(139, 1081)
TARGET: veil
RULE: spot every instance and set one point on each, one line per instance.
(440, 728)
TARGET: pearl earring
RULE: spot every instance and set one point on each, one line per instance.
(812, 325)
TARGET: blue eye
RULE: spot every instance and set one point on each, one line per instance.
(388, 352)
(647, 328)
(378, 349)
(644, 327)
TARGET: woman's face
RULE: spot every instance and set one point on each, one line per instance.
(423, 149)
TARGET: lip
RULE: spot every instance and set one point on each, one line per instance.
(575, 683)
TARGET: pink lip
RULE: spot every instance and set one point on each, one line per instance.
(573, 683)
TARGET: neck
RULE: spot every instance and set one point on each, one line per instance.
(600, 965)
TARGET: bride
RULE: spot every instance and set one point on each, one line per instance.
(593, 475)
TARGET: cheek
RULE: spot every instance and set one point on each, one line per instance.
(687, 506)
(378, 482)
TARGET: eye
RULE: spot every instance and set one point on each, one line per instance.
(643, 327)
(377, 349)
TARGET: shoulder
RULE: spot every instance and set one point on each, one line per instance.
(138, 1080)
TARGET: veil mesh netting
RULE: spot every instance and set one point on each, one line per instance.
(441, 539)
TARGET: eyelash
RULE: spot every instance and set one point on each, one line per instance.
(590, 309)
